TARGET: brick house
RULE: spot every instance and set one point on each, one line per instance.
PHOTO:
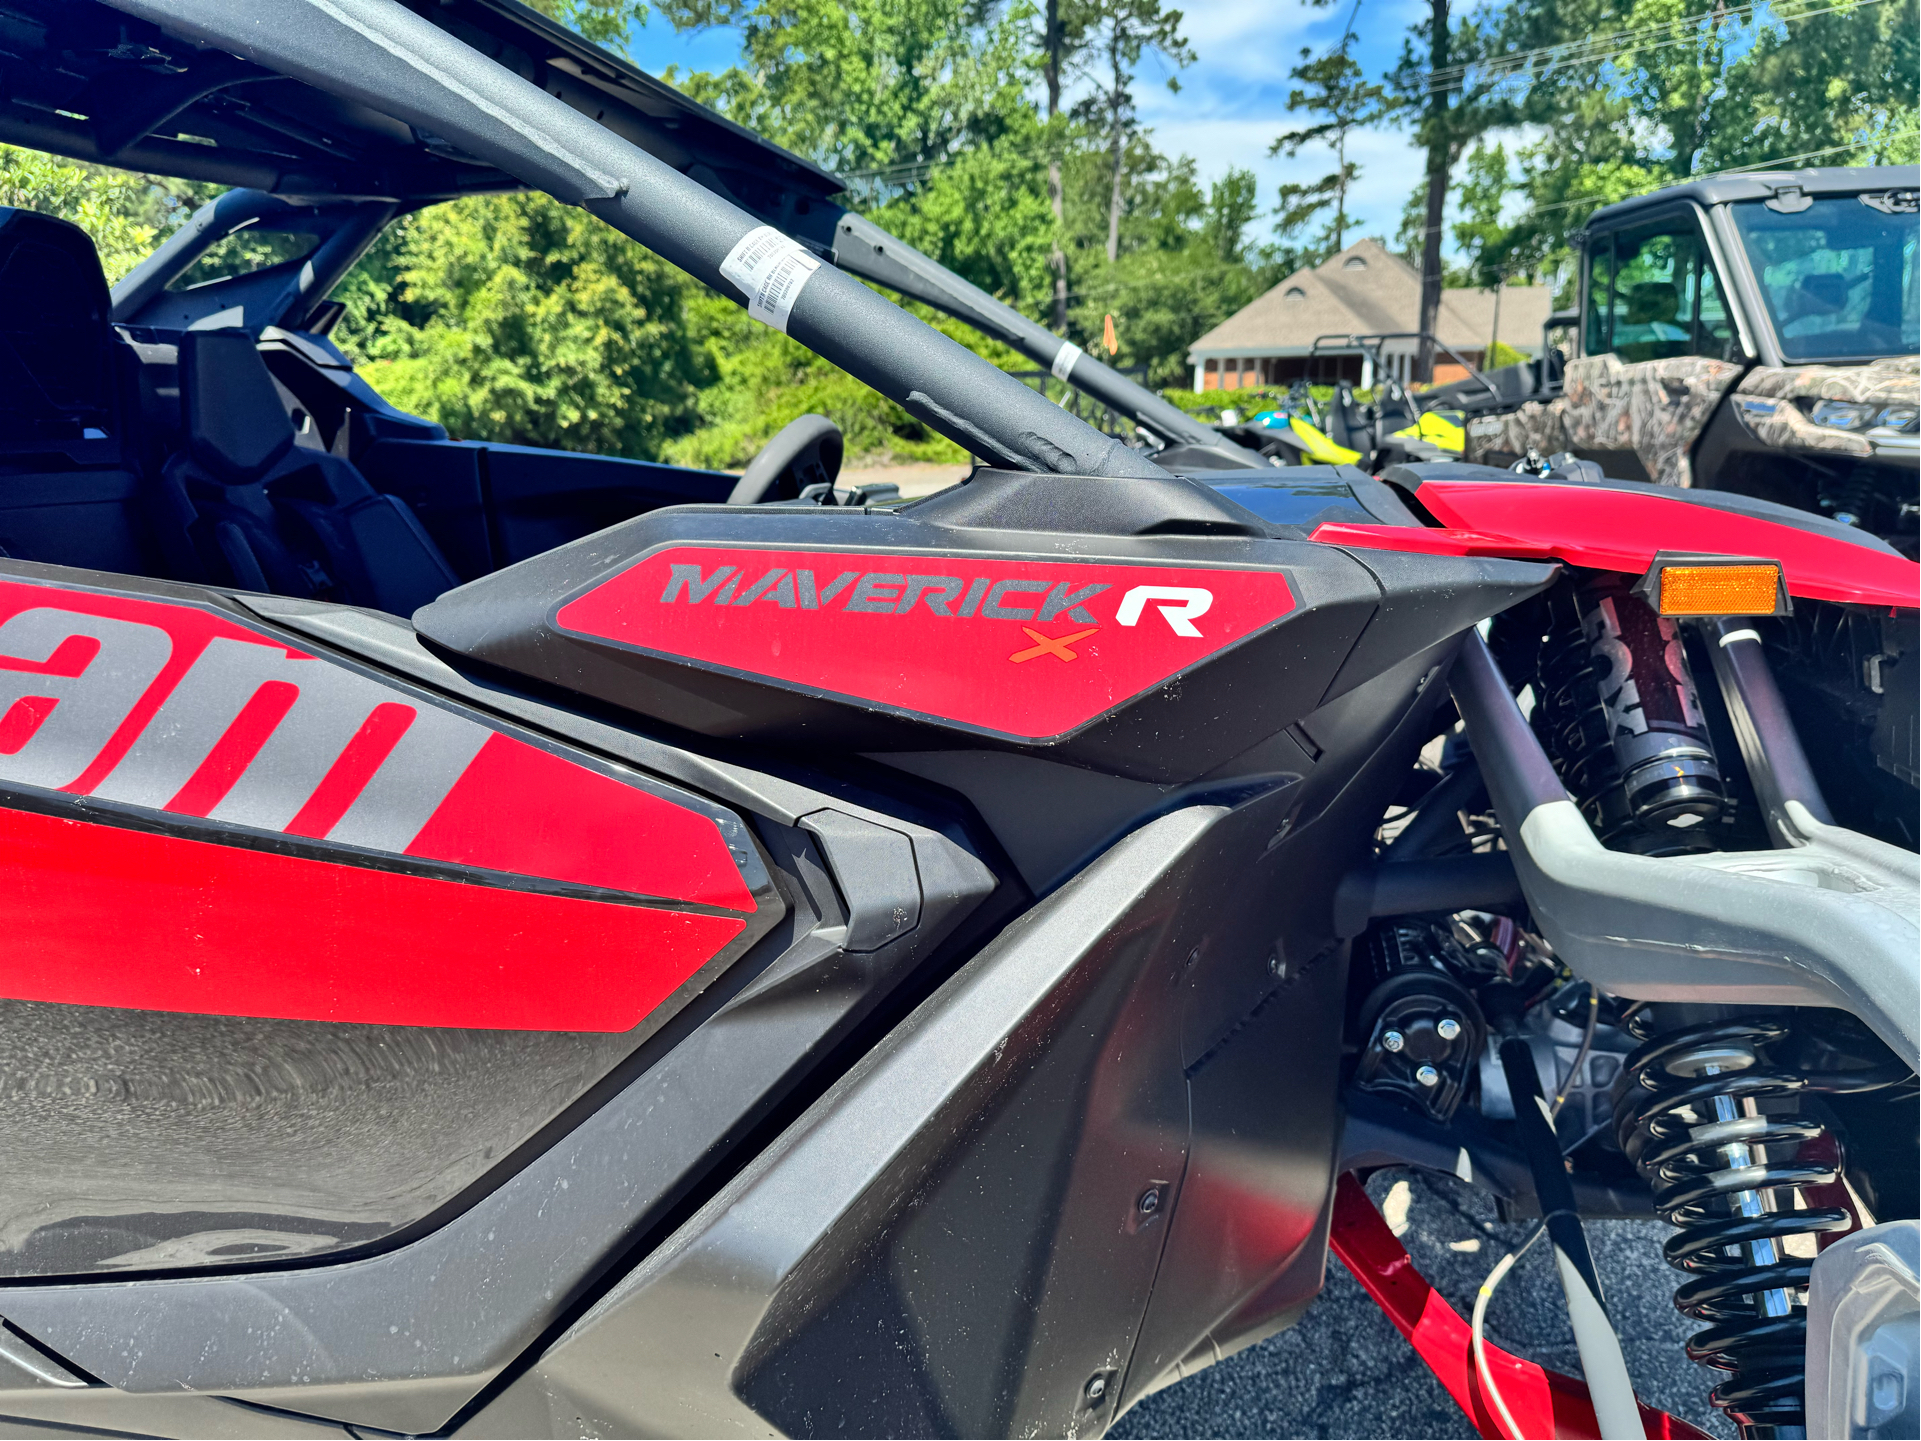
(1366, 289)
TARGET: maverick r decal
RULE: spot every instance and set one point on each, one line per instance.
(944, 636)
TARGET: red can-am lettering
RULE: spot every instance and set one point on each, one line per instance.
(1025, 649)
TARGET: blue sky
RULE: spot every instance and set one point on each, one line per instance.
(1233, 99)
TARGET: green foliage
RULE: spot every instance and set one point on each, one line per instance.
(514, 318)
(1117, 36)
(985, 214)
(764, 380)
(1337, 90)
(866, 86)
(126, 214)
(1691, 93)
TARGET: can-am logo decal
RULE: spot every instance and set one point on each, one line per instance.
(1032, 649)
(172, 708)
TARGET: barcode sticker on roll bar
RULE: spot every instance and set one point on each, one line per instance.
(770, 270)
(1064, 359)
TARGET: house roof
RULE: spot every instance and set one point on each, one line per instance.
(1365, 289)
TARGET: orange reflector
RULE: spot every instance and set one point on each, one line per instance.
(1719, 589)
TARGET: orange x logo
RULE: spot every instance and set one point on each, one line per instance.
(1050, 645)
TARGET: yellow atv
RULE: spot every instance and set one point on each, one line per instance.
(1302, 442)
(1444, 428)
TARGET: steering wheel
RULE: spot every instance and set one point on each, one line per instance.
(806, 452)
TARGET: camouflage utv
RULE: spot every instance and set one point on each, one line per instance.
(1754, 333)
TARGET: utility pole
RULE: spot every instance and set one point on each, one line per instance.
(1053, 56)
(1117, 102)
(1487, 361)
(1439, 154)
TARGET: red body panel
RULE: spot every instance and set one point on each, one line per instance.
(171, 709)
(100, 915)
(1026, 649)
(1544, 1403)
(1622, 530)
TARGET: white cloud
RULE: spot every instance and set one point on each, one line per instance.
(1233, 100)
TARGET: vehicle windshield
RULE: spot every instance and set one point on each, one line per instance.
(1838, 276)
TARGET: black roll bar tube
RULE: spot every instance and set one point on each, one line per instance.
(382, 55)
(1373, 351)
(863, 248)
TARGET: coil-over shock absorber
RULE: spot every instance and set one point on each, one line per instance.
(1694, 1118)
(1850, 499)
(1620, 715)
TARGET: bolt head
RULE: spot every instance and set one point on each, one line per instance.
(1428, 1076)
(1096, 1388)
(1392, 1040)
(1150, 1201)
(1448, 1028)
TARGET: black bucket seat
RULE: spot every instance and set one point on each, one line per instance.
(262, 513)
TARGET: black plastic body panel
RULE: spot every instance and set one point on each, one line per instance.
(489, 506)
(1074, 1161)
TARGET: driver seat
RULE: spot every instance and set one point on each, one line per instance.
(258, 512)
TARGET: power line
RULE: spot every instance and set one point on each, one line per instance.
(1786, 160)
(1597, 50)
(1587, 54)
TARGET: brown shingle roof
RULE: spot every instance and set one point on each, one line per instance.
(1381, 292)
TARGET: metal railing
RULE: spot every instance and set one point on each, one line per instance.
(1081, 406)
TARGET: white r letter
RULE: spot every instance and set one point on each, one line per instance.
(1185, 605)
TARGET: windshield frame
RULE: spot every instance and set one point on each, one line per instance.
(1754, 293)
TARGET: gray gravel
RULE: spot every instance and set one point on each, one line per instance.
(1345, 1371)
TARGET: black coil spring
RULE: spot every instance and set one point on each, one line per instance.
(1852, 498)
(1669, 1128)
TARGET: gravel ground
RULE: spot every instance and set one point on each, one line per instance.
(1345, 1371)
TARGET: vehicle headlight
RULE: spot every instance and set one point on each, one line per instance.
(1905, 418)
(1842, 414)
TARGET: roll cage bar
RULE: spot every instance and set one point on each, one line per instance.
(1371, 343)
(286, 120)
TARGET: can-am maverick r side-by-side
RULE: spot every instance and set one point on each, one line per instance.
(494, 950)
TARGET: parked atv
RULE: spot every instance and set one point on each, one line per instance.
(1753, 333)
(495, 950)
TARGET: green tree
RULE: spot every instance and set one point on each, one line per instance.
(1437, 86)
(872, 89)
(1681, 91)
(126, 214)
(1232, 203)
(1063, 33)
(1119, 35)
(1336, 88)
(517, 319)
(1186, 261)
(987, 215)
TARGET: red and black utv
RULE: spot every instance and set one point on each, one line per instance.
(509, 943)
